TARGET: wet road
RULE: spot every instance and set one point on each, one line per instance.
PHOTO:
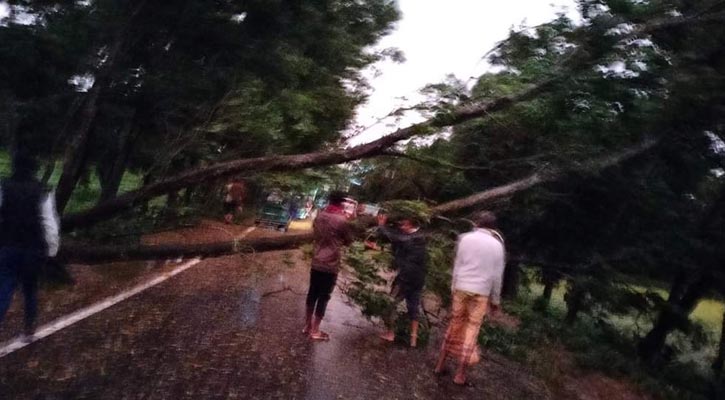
(230, 328)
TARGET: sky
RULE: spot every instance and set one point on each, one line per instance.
(440, 37)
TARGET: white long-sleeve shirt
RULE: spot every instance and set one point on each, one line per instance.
(49, 221)
(479, 264)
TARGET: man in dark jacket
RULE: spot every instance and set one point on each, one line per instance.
(410, 254)
(331, 231)
(29, 232)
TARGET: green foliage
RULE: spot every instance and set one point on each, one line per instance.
(416, 211)
(368, 288)
(540, 340)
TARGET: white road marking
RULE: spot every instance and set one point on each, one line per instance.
(46, 330)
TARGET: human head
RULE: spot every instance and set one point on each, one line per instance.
(24, 166)
(485, 219)
(336, 197)
(407, 225)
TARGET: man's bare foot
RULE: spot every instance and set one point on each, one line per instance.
(459, 379)
(320, 335)
(413, 341)
(388, 336)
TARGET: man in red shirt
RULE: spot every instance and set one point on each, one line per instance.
(331, 231)
(233, 199)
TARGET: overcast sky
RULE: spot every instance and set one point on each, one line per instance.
(440, 37)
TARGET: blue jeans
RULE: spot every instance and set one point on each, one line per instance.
(19, 266)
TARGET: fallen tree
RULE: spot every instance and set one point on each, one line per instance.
(293, 162)
(96, 254)
(579, 59)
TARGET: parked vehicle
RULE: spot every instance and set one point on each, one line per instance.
(274, 215)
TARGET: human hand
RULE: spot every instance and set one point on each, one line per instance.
(382, 219)
(371, 245)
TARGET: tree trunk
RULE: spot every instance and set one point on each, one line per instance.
(720, 359)
(111, 173)
(80, 253)
(76, 154)
(675, 315)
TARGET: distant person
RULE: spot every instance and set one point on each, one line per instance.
(476, 285)
(409, 260)
(331, 231)
(234, 199)
(29, 232)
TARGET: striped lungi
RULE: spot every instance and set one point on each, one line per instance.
(461, 340)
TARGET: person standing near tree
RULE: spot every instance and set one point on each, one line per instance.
(233, 200)
(410, 255)
(331, 231)
(476, 285)
(29, 232)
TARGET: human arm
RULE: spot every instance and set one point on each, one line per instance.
(51, 225)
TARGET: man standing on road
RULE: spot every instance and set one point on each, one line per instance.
(409, 260)
(29, 232)
(233, 199)
(476, 284)
(331, 231)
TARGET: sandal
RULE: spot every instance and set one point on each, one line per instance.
(322, 336)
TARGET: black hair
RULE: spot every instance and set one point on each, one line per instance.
(336, 197)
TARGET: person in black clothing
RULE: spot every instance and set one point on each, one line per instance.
(409, 259)
(28, 234)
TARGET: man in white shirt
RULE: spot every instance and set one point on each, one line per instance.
(476, 285)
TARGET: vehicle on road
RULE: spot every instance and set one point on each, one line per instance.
(274, 215)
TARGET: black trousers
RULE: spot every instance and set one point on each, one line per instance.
(321, 286)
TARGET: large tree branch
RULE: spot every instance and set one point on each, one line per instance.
(80, 253)
(297, 161)
(545, 176)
